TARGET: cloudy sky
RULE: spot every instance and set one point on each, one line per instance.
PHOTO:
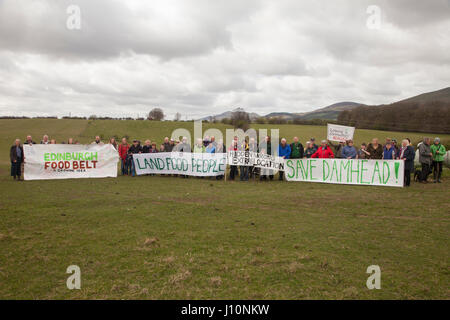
(203, 57)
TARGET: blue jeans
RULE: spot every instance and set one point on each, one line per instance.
(124, 166)
(132, 168)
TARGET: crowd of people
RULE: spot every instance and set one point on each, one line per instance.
(431, 155)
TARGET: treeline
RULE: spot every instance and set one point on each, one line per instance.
(401, 116)
(276, 120)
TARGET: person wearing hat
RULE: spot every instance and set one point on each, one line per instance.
(324, 151)
(438, 151)
(313, 143)
(134, 149)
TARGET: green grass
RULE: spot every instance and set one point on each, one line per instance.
(164, 237)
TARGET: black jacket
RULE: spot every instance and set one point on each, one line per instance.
(13, 154)
(134, 149)
(409, 155)
(168, 147)
(146, 149)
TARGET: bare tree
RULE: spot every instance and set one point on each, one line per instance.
(156, 114)
(177, 116)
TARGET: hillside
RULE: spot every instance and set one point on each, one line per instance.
(428, 112)
(442, 95)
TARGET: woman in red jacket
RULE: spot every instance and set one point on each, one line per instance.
(123, 153)
(324, 151)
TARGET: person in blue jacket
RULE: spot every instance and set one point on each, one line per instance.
(349, 151)
(389, 151)
(284, 151)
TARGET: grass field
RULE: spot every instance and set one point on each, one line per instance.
(164, 237)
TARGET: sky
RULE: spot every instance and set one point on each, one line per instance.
(203, 57)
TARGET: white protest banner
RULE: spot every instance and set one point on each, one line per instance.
(241, 158)
(267, 161)
(346, 171)
(339, 133)
(186, 163)
(65, 161)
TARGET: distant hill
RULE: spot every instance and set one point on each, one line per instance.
(330, 112)
(227, 115)
(442, 95)
(428, 112)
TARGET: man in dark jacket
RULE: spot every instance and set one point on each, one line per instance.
(425, 159)
(16, 157)
(29, 141)
(407, 154)
(167, 146)
(135, 148)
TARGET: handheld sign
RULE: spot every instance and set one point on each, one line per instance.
(339, 133)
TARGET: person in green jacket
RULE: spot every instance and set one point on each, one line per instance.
(296, 149)
(199, 147)
(438, 151)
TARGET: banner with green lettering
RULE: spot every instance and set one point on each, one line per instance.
(186, 163)
(387, 173)
(66, 161)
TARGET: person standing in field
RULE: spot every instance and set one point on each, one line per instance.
(309, 150)
(29, 141)
(324, 151)
(70, 141)
(220, 148)
(45, 139)
(234, 147)
(97, 141)
(389, 151)
(210, 148)
(113, 142)
(135, 148)
(252, 147)
(266, 148)
(16, 157)
(425, 159)
(244, 169)
(147, 147)
(349, 151)
(375, 150)
(284, 151)
(123, 154)
(297, 150)
(337, 148)
(438, 151)
(167, 146)
(313, 144)
(199, 147)
(362, 152)
(154, 149)
(407, 154)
